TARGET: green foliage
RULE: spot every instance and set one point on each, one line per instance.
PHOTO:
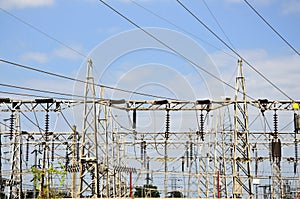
(175, 194)
(38, 175)
(3, 196)
(147, 191)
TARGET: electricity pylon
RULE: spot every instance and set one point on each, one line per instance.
(89, 175)
(242, 177)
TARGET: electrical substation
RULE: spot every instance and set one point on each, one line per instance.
(237, 148)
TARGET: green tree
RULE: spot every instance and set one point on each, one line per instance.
(38, 174)
(175, 194)
(147, 191)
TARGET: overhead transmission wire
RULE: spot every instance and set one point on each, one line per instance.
(20, 94)
(217, 22)
(65, 77)
(30, 95)
(44, 33)
(81, 81)
(41, 91)
(190, 33)
(179, 28)
(272, 28)
(228, 39)
(168, 46)
(230, 48)
(72, 49)
(31, 121)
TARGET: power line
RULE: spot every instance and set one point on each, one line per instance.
(37, 125)
(74, 50)
(272, 28)
(219, 25)
(180, 28)
(167, 46)
(234, 51)
(190, 33)
(81, 81)
(41, 91)
(28, 95)
(44, 33)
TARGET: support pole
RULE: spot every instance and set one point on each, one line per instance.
(218, 184)
(130, 184)
(73, 194)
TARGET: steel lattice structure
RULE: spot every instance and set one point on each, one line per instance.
(220, 158)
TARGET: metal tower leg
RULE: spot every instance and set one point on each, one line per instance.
(242, 177)
(15, 182)
(89, 177)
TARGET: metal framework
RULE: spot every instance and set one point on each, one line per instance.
(15, 182)
(242, 177)
(89, 175)
(213, 160)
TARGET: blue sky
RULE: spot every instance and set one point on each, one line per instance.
(41, 34)
(82, 25)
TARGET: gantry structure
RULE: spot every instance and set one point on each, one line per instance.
(112, 155)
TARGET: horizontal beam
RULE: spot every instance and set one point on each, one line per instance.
(8, 105)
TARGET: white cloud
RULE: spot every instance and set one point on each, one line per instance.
(57, 85)
(283, 71)
(110, 30)
(259, 2)
(9, 4)
(68, 53)
(38, 57)
(42, 57)
(287, 6)
(291, 7)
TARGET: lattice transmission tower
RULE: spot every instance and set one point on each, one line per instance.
(242, 176)
(89, 175)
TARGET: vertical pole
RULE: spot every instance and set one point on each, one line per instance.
(20, 163)
(219, 190)
(130, 184)
(148, 168)
(106, 150)
(1, 179)
(35, 165)
(73, 161)
(166, 151)
(43, 170)
(256, 170)
(296, 142)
